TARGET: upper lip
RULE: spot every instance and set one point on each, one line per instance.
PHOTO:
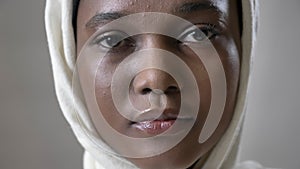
(152, 115)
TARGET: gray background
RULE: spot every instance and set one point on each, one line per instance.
(34, 135)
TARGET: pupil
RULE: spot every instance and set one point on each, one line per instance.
(198, 35)
(113, 41)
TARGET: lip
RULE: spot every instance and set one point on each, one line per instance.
(154, 127)
(161, 124)
(149, 124)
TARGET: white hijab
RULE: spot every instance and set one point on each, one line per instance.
(60, 34)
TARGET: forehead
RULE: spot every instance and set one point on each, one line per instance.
(176, 7)
(92, 14)
(92, 11)
(149, 5)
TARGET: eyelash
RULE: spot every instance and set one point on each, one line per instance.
(209, 30)
(123, 39)
(125, 42)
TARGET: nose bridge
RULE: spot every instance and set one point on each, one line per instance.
(155, 44)
(158, 41)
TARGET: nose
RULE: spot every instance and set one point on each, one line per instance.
(154, 79)
(149, 80)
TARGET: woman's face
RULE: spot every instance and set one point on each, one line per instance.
(217, 19)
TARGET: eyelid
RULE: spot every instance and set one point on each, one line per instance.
(103, 35)
(208, 26)
(187, 30)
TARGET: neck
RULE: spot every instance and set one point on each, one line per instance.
(200, 163)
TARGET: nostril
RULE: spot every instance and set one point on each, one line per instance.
(146, 90)
(172, 89)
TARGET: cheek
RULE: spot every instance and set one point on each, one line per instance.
(104, 99)
(230, 57)
(104, 73)
(95, 79)
(204, 86)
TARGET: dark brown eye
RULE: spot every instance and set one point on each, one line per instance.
(196, 35)
(112, 39)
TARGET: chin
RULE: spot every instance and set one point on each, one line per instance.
(162, 163)
(173, 159)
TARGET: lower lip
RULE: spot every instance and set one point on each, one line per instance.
(154, 127)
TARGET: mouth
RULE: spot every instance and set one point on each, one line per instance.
(159, 125)
(154, 127)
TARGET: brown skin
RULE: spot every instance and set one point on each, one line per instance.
(226, 42)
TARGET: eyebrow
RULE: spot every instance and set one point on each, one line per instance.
(196, 6)
(102, 18)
